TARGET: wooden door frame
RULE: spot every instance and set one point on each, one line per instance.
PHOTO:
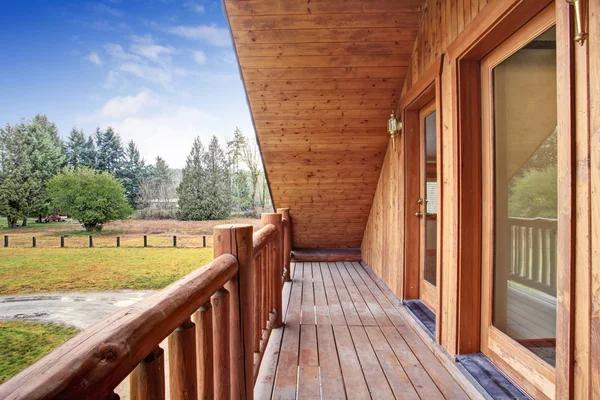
(494, 24)
(495, 343)
(426, 89)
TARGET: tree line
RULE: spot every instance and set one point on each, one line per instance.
(215, 182)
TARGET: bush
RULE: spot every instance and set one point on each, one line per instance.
(154, 213)
(91, 197)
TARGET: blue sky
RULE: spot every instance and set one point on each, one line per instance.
(159, 72)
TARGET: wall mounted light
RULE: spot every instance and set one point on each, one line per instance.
(394, 129)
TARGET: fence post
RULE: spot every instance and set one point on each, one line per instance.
(287, 240)
(62, 241)
(118, 241)
(237, 240)
(203, 241)
(91, 240)
(145, 241)
(5, 240)
(33, 242)
(174, 241)
(277, 259)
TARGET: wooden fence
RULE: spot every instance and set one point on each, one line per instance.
(533, 253)
(103, 241)
(217, 319)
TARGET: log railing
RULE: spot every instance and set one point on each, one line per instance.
(533, 253)
(217, 319)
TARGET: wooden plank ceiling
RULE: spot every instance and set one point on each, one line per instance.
(322, 77)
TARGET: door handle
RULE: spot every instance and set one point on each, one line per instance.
(419, 214)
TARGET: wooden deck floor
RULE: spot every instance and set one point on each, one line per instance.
(343, 338)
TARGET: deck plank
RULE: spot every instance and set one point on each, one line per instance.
(321, 307)
(376, 379)
(345, 338)
(372, 303)
(365, 315)
(335, 309)
(287, 368)
(397, 378)
(354, 380)
(350, 312)
(308, 295)
(332, 383)
(308, 373)
(419, 377)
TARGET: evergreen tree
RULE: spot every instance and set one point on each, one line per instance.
(218, 196)
(88, 154)
(132, 173)
(192, 189)
(76, 148)
(109, 151)
(47, 157)
(162, 182)
(21, 191)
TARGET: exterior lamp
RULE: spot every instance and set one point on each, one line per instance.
(394, 129)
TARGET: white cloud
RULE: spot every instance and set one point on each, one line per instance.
(206, 33)
(145, 46)
(121, 106)
(94, 58)
(164, 76)
(168, 132)
(199, 57)
(195, 7)
(117, 51)
(102, 8)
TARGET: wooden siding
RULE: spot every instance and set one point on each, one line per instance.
(442, 22)
(578, 368)
(322, 77)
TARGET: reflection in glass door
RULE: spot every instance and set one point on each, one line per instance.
(519, 121)
(428, 207)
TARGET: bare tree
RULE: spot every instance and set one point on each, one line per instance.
(250, 156)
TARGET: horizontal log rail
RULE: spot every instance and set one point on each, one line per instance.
(533, 253)
(217, 319)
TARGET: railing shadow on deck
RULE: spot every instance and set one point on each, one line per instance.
(217, 319)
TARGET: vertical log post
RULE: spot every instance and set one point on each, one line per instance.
(174, 241)
(62, 241)
(91, 241)
(257, 291)
(33, 242)
(203, 241)
(182, 362)
(221, 343)
(237, 240)
(277, 260)
(118, 241)
(147, 381)
(204, 350)
(145, 241)
(5, 240)
(287, 240)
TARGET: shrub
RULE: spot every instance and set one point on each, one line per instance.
(154, 213)
(91, 197)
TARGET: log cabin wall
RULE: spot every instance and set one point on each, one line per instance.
(578, 372)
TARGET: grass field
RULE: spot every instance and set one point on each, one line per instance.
(23, 343)
(38, 270)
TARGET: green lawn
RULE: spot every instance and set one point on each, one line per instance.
(23, 343)
(30, 224)
(27, 270)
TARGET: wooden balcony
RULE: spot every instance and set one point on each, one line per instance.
(344, 338)
(250, 324)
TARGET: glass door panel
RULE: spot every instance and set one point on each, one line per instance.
(525, 192)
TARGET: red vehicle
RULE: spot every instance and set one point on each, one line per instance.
(56, 218)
